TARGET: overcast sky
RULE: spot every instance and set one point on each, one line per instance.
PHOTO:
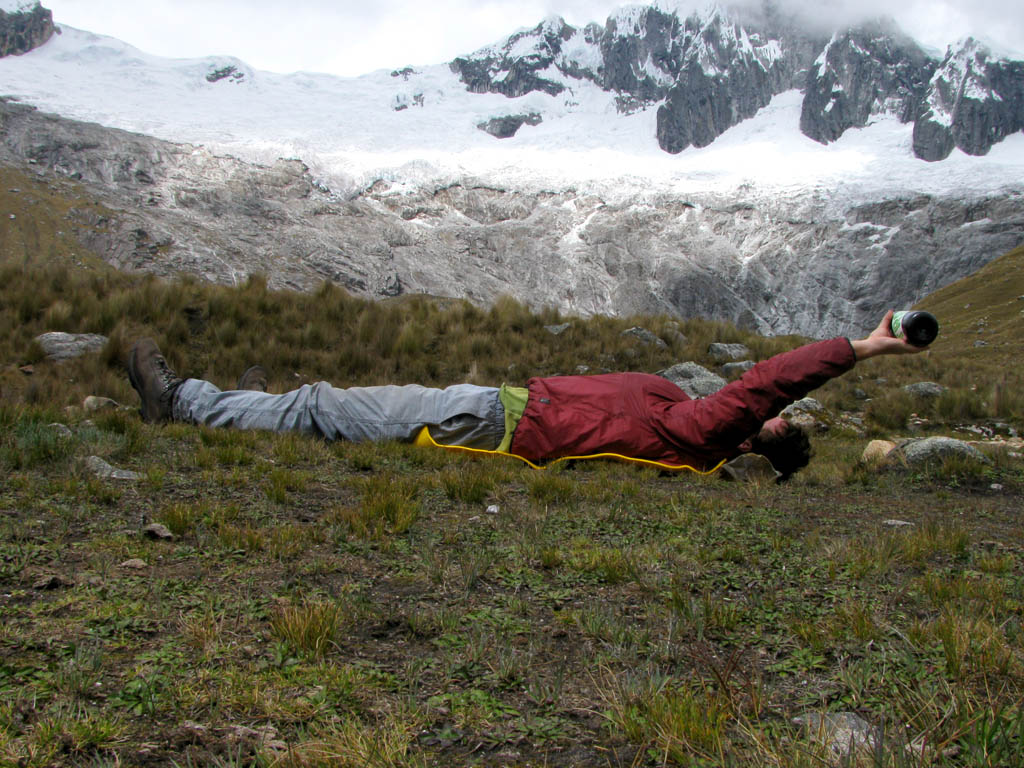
(353, 37)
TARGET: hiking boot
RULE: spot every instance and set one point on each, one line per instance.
(254, 378)
(153, 379)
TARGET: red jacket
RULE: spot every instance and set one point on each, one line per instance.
(645, 416)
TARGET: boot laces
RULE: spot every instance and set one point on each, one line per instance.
(168, 379)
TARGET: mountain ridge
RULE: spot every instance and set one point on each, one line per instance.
(715, 69)
(395, 183)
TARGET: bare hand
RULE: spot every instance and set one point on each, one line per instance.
(881, 341)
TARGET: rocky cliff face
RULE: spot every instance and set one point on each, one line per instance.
(973, 102)
(773, 264)
(860, 73)
(527, 61)
(714, 69)
(24, 30)
(727, 74)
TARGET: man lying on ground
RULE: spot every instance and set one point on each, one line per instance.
(637, 416)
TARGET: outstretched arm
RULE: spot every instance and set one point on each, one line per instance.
(881, 341)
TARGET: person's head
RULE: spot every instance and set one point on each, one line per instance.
(785, 445)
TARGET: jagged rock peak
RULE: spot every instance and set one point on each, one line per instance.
(522, 63)
(974, 101)
(23, 26)
(714, 68)
(727, 73)
(863, 71)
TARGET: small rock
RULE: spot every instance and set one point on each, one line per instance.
(981, 343)
(894, 523)
(996, 487)
(557, 330)
(916, 424)
(876, 451)
(644, 336)
(94, 403)
(582, 370)
(925, 389)
(695, 380)
(860, 394)
(158, 531)
(675, 336)
(52, 581)
(135, 564)
(1002, 428)
(721, 351)
(493, 509)
(749, 467)
(62, 430)
(843, 733)
(243, 733)
(100, 468)
(65, 346)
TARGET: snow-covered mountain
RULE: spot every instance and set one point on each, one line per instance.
(599, 106)
(724, 163)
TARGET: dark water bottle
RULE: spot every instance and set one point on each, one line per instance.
(919, 327)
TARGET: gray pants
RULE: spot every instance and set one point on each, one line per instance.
(464, 414)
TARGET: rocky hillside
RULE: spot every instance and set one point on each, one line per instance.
(773, 265)
(714, 69)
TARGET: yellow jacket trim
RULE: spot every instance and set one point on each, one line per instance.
(424, 438)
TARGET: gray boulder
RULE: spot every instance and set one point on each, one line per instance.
(928, 449)
(102, 469)
(62, 430)
(804, 405)
(807, 414)
(94, 403)
(721, 351)
(695, 380)
(158, 531)
(924, 389)
(65, 346)
(644, 336)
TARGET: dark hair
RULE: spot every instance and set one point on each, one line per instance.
(788, 452)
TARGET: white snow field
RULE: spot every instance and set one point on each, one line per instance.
(420, 129)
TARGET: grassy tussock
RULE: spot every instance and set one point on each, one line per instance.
(216, 332)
